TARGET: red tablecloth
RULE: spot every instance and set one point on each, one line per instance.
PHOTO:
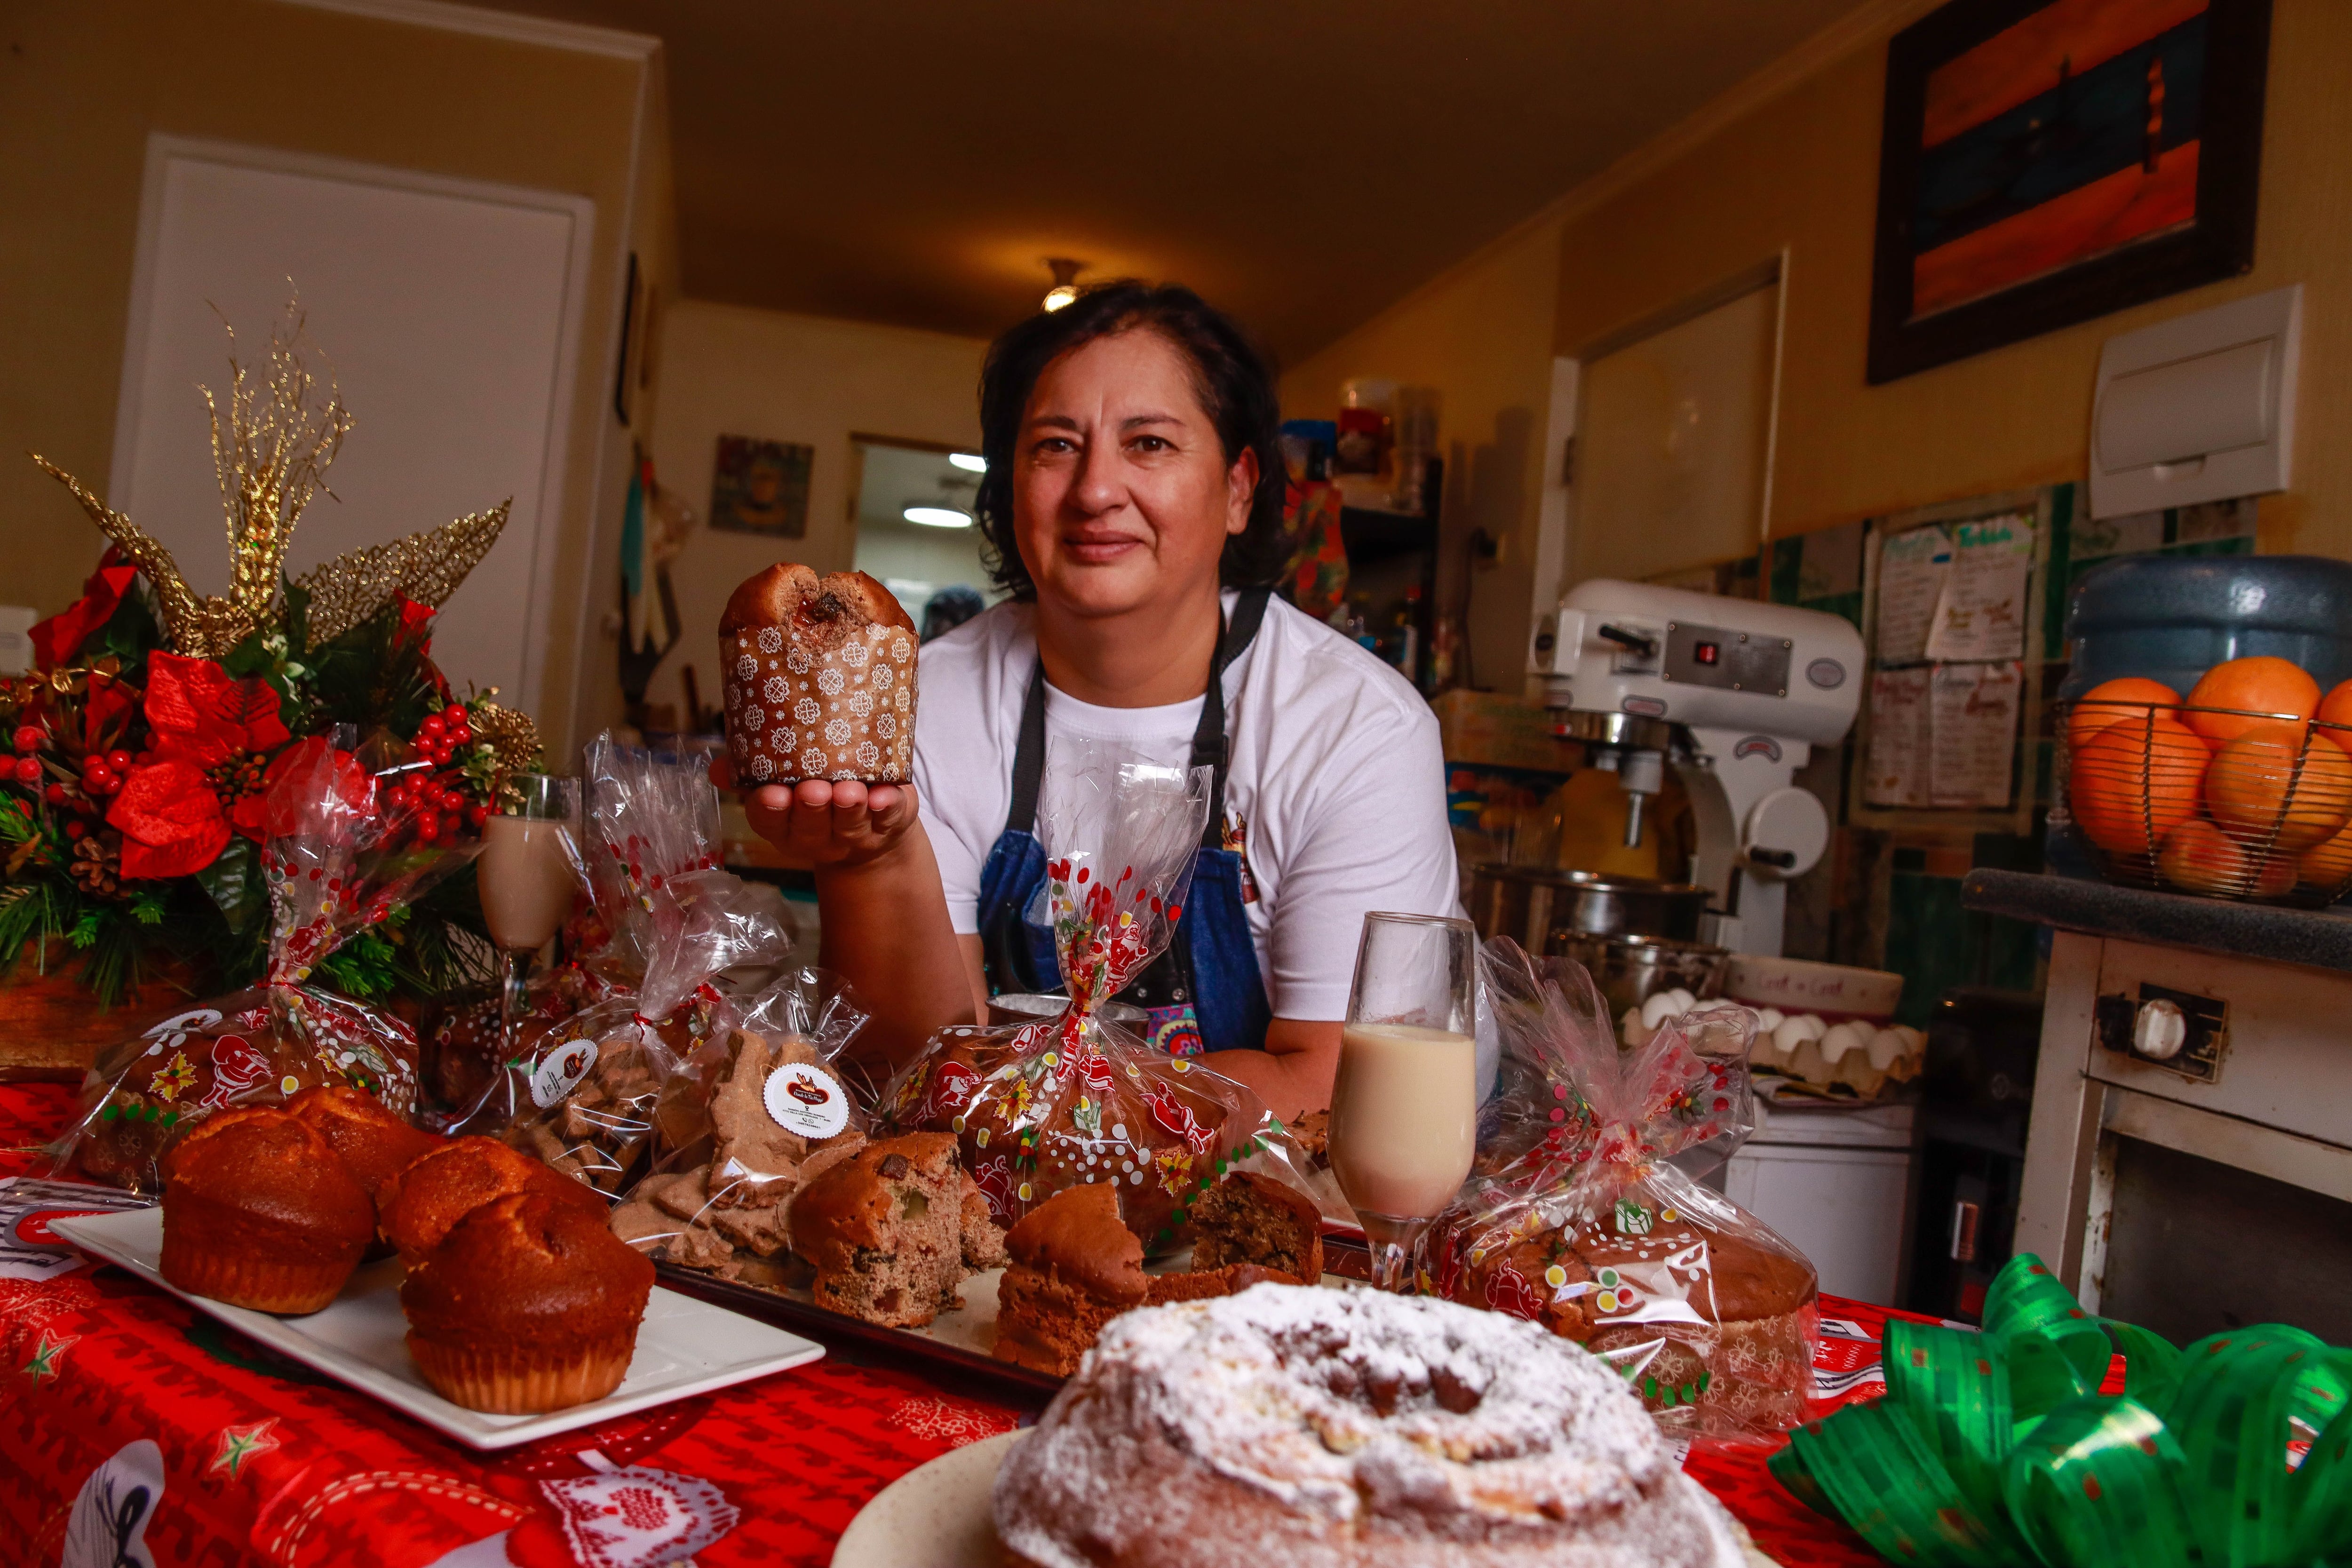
(131, 1424)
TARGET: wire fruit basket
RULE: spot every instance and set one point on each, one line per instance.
(2224, 802)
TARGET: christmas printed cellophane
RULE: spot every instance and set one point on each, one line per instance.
(587, 1098)
(1049, 1104)
(1588, 1218)
(754, 1115)
(339, 858)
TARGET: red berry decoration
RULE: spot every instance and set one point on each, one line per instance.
(428, 827)
(120, 760)
(57, 793)
(74, 830)
(478, 814)
(432, 725)
(28, 770)
(97, 778)
(28, 737)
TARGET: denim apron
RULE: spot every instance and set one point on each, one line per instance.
(1204, 994)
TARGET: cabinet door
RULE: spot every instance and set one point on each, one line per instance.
(1843, 1208)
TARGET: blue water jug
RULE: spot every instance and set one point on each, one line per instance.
(2173, 617)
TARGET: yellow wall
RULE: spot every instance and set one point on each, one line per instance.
(1801, 171)
(727, 370)
(82, 84)
(1481, 335)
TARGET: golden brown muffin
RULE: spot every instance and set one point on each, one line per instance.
(259, 1212)
(1749, 1356)
(888, 1231)
(376, 1143)
(820, 679)
(528, 1304)
(443, 1186)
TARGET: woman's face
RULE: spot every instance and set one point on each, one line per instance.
(1121, 494)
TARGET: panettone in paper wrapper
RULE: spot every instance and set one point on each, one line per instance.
(820, 679)
(338, 858)
(755, 1113)
(1588, 1229)
(1044, 1105)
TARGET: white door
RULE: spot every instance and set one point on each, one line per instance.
(448, 312)
(1673, 443)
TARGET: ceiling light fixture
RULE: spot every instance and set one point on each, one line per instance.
(1066, 287)
(970, 462)
(938, 517)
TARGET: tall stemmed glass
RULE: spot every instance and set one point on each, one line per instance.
(1404, 1110)
(529, 871)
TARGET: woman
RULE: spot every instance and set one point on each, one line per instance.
(1133, 501)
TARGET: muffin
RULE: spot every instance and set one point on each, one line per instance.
(442, 1186)
(820, 677)
(1713, 1325)
(375, 1143)
(260, 1212)
(528, 1304)
(892, 1231)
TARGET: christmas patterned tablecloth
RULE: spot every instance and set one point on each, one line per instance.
(134, 1430)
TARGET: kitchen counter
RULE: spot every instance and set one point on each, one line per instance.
(2321, 939)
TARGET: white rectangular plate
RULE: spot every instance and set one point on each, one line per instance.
(685, 1347)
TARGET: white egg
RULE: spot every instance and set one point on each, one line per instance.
(1840, 1038)
(1659, 1008)
(1769, 1019)
(1886, 1047)
(1683, 1000)
(1917, 1038)
(1794, 1032)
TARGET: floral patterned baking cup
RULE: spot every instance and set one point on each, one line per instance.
(846, 712)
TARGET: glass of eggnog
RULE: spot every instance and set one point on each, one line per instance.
(1405, 1108)
(528, 874)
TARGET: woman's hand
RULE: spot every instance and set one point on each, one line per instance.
(818, 822)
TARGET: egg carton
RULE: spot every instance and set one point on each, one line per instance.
(1855, 1055)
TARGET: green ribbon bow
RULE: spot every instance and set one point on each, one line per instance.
(1996, 1449)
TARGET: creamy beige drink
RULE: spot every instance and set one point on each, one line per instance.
(1404, 1117)
(526, 880)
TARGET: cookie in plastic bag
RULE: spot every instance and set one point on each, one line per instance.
(1588, 1229)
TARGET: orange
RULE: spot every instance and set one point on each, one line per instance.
(2330, 865)
(2201, 859)
(2131, 785)
(2335, 708)
(2261, 689)
(2270, 787)
(2129, 699)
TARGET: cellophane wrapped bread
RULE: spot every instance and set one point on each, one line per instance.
(1584, 1227)
(339, 857)
(820, 679)
(754, 1114)
(589, 1099)
(1045, 1105)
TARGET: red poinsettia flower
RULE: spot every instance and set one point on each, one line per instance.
(416, 624)
(108, 698)
(171, 823)
(60, 636)
(200, 712)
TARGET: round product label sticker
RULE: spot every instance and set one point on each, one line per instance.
(807, 1100)
(560, 1071)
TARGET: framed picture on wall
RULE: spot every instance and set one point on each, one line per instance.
(2044, 162)
(760, 487)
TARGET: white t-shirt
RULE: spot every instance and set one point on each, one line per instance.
(1335, 794)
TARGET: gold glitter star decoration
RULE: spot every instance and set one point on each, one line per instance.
(272, 443)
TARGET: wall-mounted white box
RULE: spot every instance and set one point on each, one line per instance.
(2198, 408)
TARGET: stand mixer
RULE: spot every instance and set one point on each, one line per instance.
(1735, 694)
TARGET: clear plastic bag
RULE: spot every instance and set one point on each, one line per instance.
(1041, 1106)
(588, 1099)
(752, 1115)
(341, 857)
(1587, 1217)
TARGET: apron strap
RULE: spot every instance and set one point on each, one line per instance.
(1209, 747)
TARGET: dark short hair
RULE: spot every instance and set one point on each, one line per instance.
(1232, 376)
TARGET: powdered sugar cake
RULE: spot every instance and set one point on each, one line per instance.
(1332, 1428)
(820, 679)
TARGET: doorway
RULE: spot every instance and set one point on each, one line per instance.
(912, 510)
